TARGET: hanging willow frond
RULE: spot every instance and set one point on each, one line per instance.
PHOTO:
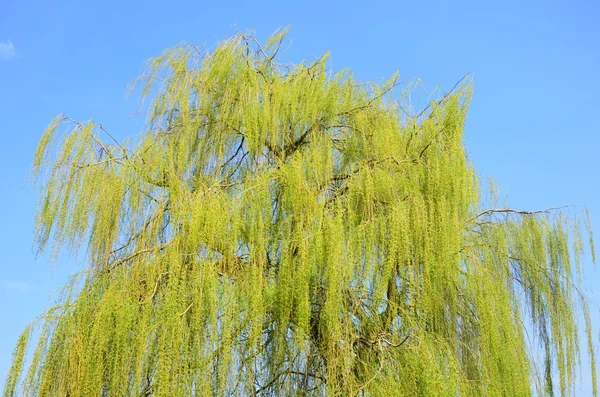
(278, 230)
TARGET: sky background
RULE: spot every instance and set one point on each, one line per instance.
(532, 125)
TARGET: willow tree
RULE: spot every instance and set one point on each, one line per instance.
(282, 230)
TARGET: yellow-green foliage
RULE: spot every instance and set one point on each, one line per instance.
(279, 230)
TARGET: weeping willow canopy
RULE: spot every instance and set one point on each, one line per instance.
(283, 230)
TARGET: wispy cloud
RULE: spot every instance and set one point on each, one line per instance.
(7, 50)
(17, 286)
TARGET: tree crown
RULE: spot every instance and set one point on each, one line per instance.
(278, 229)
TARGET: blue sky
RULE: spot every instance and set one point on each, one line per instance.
(532, 126)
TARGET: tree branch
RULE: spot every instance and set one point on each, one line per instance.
(508, 211)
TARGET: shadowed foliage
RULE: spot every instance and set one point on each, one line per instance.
(282, 230)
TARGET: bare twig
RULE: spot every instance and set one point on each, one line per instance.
(445, 97)
(119, 262)
(430, 142)
(508, 211)
(114, 140)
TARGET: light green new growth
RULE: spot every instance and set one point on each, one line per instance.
(282, 231)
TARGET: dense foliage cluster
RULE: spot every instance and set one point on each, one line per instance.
(281, 230)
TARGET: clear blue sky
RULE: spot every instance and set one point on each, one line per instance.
(533, 123)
